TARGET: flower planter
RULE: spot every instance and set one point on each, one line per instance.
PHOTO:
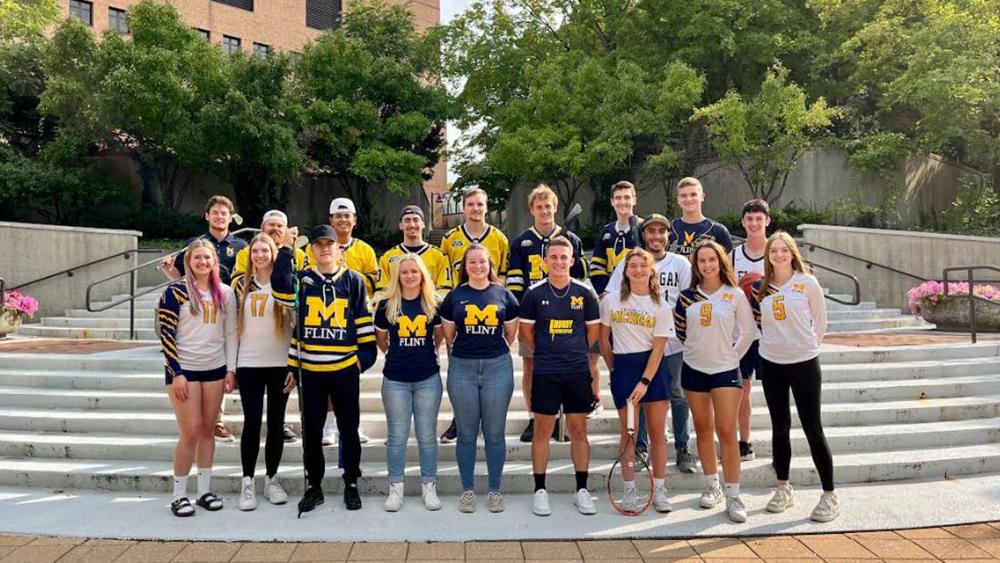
(953, 314)
(10, 321)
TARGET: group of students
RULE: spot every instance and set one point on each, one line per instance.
(668, 313)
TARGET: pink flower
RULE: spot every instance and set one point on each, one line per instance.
(931, 293)
(17, 301)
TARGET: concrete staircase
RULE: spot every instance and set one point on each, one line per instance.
(103, 421)
(114, 323)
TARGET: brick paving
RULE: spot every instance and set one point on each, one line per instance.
(66, 346)
(901, 338)
(972, 543)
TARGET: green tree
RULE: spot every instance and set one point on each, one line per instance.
(373, 110)
(766, 134)
(22, 78)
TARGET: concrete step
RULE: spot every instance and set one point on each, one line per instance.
(40, 330)
(371, 397)
(128, 475)
(374, 423)
(116, 313)
(842, 440)
(857, 325)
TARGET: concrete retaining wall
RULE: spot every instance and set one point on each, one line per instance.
(32, 251)
(922, 254)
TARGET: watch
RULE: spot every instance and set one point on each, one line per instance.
(645, 381)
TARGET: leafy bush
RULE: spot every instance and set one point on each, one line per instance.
(154, 222)
(60, 195)
(786, 219)
(976, 209)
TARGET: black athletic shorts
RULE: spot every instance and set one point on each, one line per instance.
(206, 376)
(572, 391)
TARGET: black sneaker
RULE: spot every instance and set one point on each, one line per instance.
(746, 451)
(529, 433)
(289, 434)
(685, 461)
(352, 498)
(450, 435)
(310, 500)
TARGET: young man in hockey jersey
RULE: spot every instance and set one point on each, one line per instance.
(615, 239)
(333, 344)
(692, 226)
(526, 267)
(411, 224)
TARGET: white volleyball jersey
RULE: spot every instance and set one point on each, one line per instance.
(261, 346)
(707, 324)
(743, 264)
(204, 340)
(675, 276)
(636, 322)
(792, 320)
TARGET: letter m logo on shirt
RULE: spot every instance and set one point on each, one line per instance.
(412, 327)
(485, 316)
(576, 302)
(323, 314)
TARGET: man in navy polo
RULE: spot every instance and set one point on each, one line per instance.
(559, 321)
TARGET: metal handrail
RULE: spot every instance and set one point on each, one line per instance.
(851, 277)
(868, 263)
(130, 299)
(972, 297)
(3, 293)
(68, 272)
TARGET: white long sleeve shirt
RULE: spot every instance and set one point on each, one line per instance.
(717, 329)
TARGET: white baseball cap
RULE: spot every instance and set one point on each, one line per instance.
(342, 204)
(275, 215)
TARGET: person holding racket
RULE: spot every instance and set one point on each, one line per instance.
(714, 321)
(640, 320)
(748, 262)
(791, 310)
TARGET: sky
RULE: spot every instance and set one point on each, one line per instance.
(449, 9)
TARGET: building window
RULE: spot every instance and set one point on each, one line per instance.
(323, 14)
(230, 45)
(261, 50)
(244, 4)
(203, 33)
(82, 10)
(116, 21)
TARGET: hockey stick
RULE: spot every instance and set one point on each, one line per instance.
(572, 216)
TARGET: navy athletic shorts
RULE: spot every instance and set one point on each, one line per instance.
(572, 391)
(627, 373)
(206, 376)
(699, 382)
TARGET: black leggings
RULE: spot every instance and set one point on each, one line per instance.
(343, 388)
(805, 380)
(253, 382)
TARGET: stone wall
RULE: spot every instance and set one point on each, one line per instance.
(33, 251)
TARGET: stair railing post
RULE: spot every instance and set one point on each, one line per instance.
(131, 305)
(972, 307)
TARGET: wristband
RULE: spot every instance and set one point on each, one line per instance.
(645, 381)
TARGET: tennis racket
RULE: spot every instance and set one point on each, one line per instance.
(630, 489)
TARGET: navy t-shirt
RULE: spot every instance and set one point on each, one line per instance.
(411, 356)
(687, 235)
(560, 318)
(479, 316)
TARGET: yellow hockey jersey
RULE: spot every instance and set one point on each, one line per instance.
(457, 241)
(435, 261)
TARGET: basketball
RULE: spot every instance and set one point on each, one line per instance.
(746, 282)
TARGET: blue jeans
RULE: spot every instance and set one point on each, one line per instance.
(480, 392)
(419, 401)
(678, 407)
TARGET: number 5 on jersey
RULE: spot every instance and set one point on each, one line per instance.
(778, 307)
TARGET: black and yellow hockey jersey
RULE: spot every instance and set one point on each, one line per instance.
(360, 257)
(526, 264)
(610, 248)
(335, 325)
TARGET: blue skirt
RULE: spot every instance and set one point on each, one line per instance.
(627, 373)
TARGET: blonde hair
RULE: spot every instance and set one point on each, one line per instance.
(244, 283)
(474, 191)
(543, 193)
(654, 281)
(214, 282)
(559, 241)
(394, 293)
(798, 264)
(690, 181)
(463, 272)
(726, 273)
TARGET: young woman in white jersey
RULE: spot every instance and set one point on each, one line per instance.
(197, 325)
(708, 318)
(640, 320)
(408, 331)
(791, 311)
(265, 330)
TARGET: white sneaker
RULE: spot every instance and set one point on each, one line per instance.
(585, 502)
(735, 509)
(660, 501)
(629, 501)
(330, 433)
(431, 500)
(540, 506)
(274, 492)
(827, 509)
(710, 497)
(395, 500)
(782, 499)
(362, 437)
(248, 494)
